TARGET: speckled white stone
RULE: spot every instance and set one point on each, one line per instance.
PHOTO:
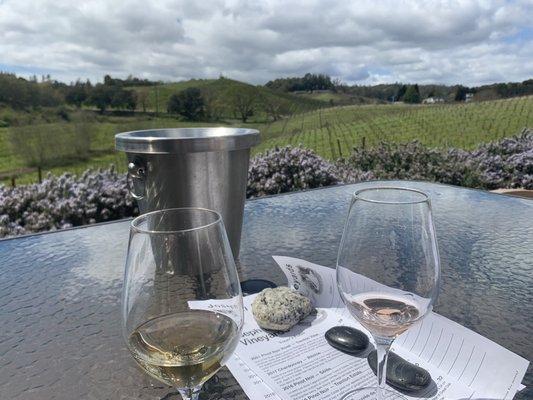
(281, 308)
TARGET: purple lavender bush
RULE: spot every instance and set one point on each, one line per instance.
(411, 161)
(287, 169)
(507, 163)
(96, 196)
(65, 201)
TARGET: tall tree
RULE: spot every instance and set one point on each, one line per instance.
(214, 104)
(142, 98)
(129, 99)
(101, 96)
(274, 107)
(460, 93)
(243, 100)
(188, 103)
(76, 94)
(121, 98)
(412, 94)
(401, 92)
(174, 104)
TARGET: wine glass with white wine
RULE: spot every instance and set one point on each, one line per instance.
(388, 268)
(182, 310)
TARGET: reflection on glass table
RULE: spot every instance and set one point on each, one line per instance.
(60, 292)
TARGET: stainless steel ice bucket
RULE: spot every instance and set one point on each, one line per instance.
(191, 167)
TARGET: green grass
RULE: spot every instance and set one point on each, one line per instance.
(159, 95)
(221, 89)
(8, 160)
(334, 132)
(324, 96)
(331, 132)
(102, 153)
(337, 98)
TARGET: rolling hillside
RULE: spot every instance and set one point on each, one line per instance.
(220, 92)
(338, 98)
(333, 132)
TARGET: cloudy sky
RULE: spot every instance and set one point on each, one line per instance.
(359, 41)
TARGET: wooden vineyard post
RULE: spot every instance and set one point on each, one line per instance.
(339, 145)
(331, 143)
(363, 144)
(40, 174)
(156, 101)
(13, 183)
(285, 125)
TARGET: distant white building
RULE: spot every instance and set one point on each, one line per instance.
(433, 100)
(469, 97)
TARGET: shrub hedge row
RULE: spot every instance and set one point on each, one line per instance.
(96, 196)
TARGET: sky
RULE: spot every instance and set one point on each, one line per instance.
(358, 41)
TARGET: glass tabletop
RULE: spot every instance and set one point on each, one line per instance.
(60, 292)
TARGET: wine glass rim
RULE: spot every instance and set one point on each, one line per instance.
(358, 195)
(135, 223)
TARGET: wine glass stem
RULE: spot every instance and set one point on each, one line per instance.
(190, 393)
(382, 348)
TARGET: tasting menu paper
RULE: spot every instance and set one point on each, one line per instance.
(301, 365)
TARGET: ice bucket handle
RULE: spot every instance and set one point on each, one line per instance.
(137, 173)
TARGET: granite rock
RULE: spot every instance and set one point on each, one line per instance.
(281, 308)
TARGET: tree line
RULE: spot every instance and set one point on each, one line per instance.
(391, 92)
(115, 93)
(409, 93)
(20, 93)
(308, 82)
(412, 93)
(109, 94)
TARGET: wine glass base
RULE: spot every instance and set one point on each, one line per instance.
(370, 393)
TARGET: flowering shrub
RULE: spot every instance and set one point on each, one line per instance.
(505, 163)
(286, 169)
(65, 201)
(409, 161)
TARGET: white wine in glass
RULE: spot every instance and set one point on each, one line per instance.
(388, 268)
(182, 304)
(184, 349)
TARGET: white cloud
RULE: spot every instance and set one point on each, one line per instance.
(470, 42)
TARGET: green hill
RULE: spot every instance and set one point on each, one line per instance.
(337, 98)
(333, 132)
(158, 95)
(220, 91)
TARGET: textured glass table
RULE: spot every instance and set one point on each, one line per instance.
(60, 292)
